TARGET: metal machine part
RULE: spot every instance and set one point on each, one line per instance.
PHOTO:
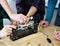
(23, 30)
(25, 26)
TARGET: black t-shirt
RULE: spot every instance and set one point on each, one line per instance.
(23, 7)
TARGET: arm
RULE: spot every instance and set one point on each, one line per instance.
(34, 8)
(14, 17)
(32, 11)
(6, 7)
(7, 29)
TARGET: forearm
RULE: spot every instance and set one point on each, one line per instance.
(32, 11)
(6, 7)
(1, 33)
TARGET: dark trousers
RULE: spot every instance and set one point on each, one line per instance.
(50, 10)
(57, 21)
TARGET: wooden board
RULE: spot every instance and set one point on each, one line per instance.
(50, 32)
(37, 39)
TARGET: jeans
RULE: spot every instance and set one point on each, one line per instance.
(50, 10)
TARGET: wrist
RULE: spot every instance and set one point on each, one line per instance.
(47, 21)
(28, 16)
(3, 33)
(10, 14)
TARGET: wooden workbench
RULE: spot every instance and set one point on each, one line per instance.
(37, 39)
(50, 32)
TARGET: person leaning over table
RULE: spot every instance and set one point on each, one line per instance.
(35, 8)
(49, 14)
(8, 14)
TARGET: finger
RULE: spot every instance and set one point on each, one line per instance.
(27, 21)
(41, 23)
(17, 20)
(8, 34)
(56, 33)
(9, 26)
(12, 26)
(58, 38)
(15, 23)
(24, 18)
(21, 20)
(9, 31)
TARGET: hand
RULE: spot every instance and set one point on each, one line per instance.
(19, 18)
(7, 29)
(57, 35)
(44, 23)
(27, 19)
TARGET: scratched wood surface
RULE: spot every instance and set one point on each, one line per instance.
(50, 32)
(37, 39)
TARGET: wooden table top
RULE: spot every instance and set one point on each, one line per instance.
(34, 38)
(50, 32)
